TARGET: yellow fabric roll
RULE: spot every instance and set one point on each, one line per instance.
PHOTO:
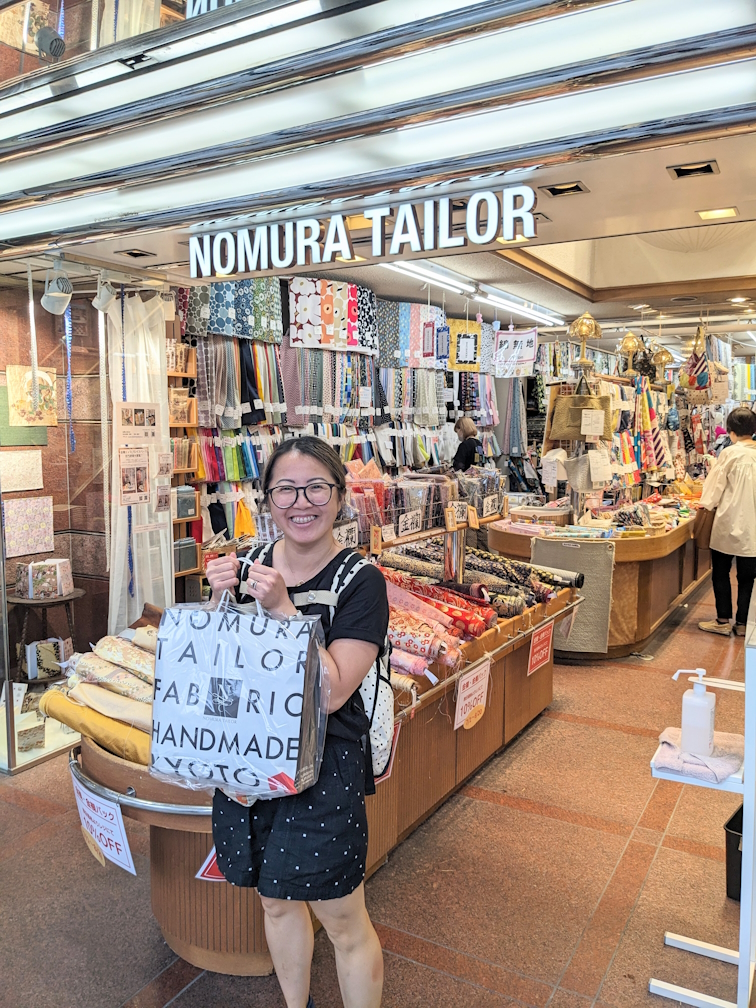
(113, 705)
(119, 739)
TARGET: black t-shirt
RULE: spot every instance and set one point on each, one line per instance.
(466, 453)
(362, 614)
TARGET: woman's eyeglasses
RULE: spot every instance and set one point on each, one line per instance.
(317, 494)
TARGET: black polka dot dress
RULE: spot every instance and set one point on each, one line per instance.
(313, 846)
(310, 846)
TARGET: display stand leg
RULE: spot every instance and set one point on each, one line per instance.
(454, 556)
(702, 948)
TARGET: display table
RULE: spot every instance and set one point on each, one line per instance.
(219, 927)
(652, 576)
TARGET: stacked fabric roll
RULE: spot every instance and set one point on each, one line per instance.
(108, 695)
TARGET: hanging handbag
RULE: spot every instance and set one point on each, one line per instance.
(694, 374)
(703, 526)
(566, 420)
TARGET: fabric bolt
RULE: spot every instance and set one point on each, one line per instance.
(305, 312)
(415, 335)
(351, 317)
(113, 705)
(248, 386)
(413, 635)
(387, 328)
(205, 368)
(408, 664)
(267, 314)
(244, 311)
(405, 316)
(340, 315)
(367, 325)
(222, 311)
(486, 348)
(399, 598)
(198, 310)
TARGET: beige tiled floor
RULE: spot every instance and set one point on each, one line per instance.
(548, 881)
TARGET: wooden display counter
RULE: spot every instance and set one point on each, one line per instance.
(652, 576)
(219, 927)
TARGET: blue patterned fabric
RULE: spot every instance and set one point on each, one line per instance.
(222, 311)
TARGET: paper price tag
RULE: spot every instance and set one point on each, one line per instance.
(410, 522)
(460, 512)
(472, 693)
(490, 505)
(592, 422)
(450, 519)
(259, 405)
(540, 647)
(376, 544)
(472, 517)
(388, 533)
(600, 465)
(448, 395)
(550, 471)
(103, 823)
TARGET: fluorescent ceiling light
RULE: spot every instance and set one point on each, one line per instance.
(738, 300)
(432, 280)
(718, 214)
(427, 272)
(517, 309)
(639, 307)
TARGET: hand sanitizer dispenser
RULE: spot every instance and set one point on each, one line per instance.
(697, 715)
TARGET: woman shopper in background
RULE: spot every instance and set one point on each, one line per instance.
(730, 487)
(312, 847)
(467, 433)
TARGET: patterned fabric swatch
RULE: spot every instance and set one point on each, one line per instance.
(367, 326)
(198, 310)
(387, 327)
(222, 311)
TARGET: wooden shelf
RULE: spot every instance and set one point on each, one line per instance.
(194, 570)
(191, 366)
(191, 518)
(433, 532)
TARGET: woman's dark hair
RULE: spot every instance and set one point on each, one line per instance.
(741, 422)
(317, 449)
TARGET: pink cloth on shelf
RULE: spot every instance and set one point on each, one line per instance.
(408, 664)
(406, 600)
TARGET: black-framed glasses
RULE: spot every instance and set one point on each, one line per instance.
(317, 494)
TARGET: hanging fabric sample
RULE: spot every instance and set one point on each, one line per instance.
(464, 345)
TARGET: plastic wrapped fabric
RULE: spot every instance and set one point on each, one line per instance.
(122, 740)
(408, 664)
(241, 701)
(113, 705)
(404, 599)
(413, 636)
(122, 652)
(90, 668)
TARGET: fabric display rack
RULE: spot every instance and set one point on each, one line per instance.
(253, 361)
(444, 635)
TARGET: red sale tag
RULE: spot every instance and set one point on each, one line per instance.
(540, 647)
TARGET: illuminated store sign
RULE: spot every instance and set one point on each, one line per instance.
(415, 227)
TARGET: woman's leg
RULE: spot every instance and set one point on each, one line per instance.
(746, 568)
(359, 958)
(720, 582)
(288, 929)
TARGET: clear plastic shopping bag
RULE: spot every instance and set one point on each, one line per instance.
(241, 700)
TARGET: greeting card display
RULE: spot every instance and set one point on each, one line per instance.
(240, 701)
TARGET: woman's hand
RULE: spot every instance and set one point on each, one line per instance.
(222, 573)
(267, 586)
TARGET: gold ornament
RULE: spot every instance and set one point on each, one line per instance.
(584, 328)
(630, 346)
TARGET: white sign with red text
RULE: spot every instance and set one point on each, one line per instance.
(540, 647)
(472, 692)
(103, 821)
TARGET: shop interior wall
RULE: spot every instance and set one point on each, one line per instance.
(72, 479)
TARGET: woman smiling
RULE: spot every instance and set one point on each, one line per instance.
(312, 847)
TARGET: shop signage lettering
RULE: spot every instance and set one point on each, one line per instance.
(312, 241)
(540, 647)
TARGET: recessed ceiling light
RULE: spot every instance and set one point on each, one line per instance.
(358, 222)
(738, 300)
(135, 253)
(355, 258)
(512, 241)
(730, 211)
(565, 188)
(684, 299)
(696, 168)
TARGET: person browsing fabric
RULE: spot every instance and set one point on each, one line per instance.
(312, 847)
(730, 487)
(467, 433)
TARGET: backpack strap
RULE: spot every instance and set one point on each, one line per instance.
(258, 553)
(326, 598)
(346, 572)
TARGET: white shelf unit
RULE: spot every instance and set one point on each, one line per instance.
(744, 783)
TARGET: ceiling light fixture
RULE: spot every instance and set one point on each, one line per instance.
(426, 272)
(690, 170)
(718, 214)
(738, 300)
(512, 241)
(517, 309)
(639, 307)
(565, 188)
(454, 288)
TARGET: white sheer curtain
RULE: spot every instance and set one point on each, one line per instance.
(123, 19)
(141, 332)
